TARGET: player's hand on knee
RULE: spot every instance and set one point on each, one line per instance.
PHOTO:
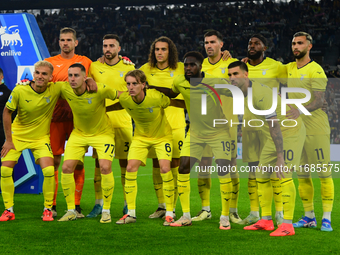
(6, 148)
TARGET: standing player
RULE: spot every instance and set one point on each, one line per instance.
(111, 72)
(215, 66)
(283, 148)
(161, 70)
(62, 121)
(30, 130)
(306, 73)
(92, 127)
(202, 133)
(266, 71)
(4, 95)
(152, 130)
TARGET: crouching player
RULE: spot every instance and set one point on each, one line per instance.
(146, 107)
(92, 127)
(282, 150)
(30, 130)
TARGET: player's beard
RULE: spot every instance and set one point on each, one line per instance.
(111, 56)
(257, 55)
(301, 54)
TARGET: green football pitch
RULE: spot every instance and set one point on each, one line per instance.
(28, 234)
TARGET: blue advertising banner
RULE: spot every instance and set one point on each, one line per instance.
(22, 45)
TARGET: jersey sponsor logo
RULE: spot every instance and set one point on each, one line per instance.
(264, 71)
(59, 65)
(121, 73)
(48, 99)
(152, 74)
(28, 100)
(150, 108)
(223, 69)
(171, 73)
(101, 72)
(69, 99)
(302, 76)
(261, 100)
(10, 38)
(290, 74)
(130, 109)
(89, 100)
(319, 72)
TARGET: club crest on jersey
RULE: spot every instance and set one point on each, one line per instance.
(150, 109)
(47, 99)
(171, 73)
(121, 73)
(223, 69)
(302, 76)
(264, 71)
(89, 100)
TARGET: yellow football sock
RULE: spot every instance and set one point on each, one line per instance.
(253, 194)
(108, 184)
(69, 186)
(158, 184)
(7, 186)
(48, 186)
(122, 179)
(226, 187)
(288, 198)
(265, 192)
(183, 184)
(204, 186)
(168, 189)
(277, 194)
(327, 194)
(235, 179)
(174, 171)
(306, 191)
(97, 183)
(131, 189)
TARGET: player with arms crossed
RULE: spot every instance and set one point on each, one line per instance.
(306, 73)
(269, 72)
(215, 66)
(62, 121)
(201, 134)
(111, 73)
(30, 130)
(161, 70)
(283, 148)
(152, 130)
(92, 127)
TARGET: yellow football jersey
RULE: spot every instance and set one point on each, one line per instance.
(220, 69)
(113, 76)
(164, 78)
(313, 78)
(269, 72)
(89, 111)
(149, 117)
(262, 99)
(34, 110)
(202, 125)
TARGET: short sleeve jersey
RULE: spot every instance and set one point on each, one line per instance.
(202, 125)
(35, 110)
(262, 99)
(164, 78)
(220, 69)
(313, 78)
(113, 76)
(89, 111)
(62, 111)
(148, 115)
